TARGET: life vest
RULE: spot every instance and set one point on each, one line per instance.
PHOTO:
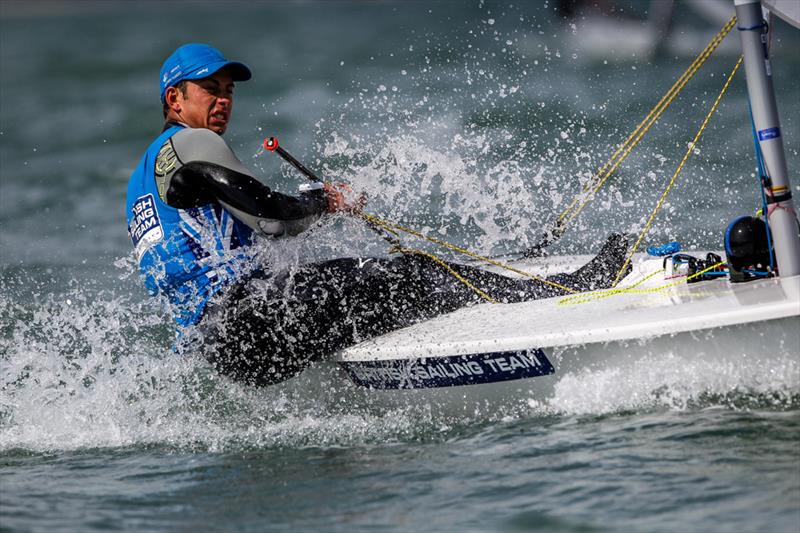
(186, 255)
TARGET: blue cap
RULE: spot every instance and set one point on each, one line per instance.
(196, 61)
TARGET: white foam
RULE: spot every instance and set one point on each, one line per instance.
(673, 381)
(94, 371)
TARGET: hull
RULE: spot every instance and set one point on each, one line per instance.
(518, 355)
(754, 348)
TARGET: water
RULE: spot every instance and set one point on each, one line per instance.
(472, 122)
(631, 471)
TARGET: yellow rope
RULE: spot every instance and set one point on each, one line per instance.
(600, 177)
(394, 228)
(689, 152)
(389, 226)
(579, 299)
(448, 268)
(625, 149)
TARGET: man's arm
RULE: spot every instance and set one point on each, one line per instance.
(207, 171)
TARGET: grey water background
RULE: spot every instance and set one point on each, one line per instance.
(474, 122)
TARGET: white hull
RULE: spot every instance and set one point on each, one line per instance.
(491, 354)
(759, 345)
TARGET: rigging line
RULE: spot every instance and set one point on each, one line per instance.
(626, 147)
(389, 225)
(633, 139)
(581, 299)
(652, 117)
(449, 270)
(692, 146)
(648, 123)
(665, 101)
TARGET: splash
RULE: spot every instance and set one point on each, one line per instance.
(93, 369)
(475, 139)
(679, 382)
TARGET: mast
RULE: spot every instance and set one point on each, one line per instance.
(781, 213)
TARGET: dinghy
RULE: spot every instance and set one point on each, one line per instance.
(522, 350)
(526, 348)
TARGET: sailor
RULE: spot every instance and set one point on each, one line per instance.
(194, 211)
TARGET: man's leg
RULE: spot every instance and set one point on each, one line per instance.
(599, 273)
(267, 330)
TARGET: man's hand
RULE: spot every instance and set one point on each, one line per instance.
(342, 198)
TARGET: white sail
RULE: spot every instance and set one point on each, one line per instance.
(788, 10)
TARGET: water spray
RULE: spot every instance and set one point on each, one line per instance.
(271, 145)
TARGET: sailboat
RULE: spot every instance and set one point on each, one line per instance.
(525, 349)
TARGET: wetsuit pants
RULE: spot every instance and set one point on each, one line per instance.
(269, 328)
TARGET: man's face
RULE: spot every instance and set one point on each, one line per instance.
(208, 102)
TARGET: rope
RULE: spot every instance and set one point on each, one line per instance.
(644, 126)
(580, 299)
(600, 178)
(689, 152)
(448, 268)
(389, 226)
(394, 228)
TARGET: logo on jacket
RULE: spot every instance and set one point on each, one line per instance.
(145, 226)
(166, 159)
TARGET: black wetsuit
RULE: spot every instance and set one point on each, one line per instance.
(271, 325)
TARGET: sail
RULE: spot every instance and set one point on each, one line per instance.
(788, 10)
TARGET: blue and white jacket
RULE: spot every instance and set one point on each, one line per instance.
(192, 209)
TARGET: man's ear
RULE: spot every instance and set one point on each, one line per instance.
(172, 97)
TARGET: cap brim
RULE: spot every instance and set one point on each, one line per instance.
(238, 71)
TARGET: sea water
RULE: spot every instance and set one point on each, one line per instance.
(475, 122)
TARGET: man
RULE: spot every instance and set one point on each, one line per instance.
(193, 210)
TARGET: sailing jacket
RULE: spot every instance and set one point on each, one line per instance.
(192, 209)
